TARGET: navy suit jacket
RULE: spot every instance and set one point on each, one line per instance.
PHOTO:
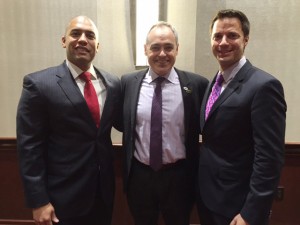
(192, 87)
(62, 152)
(243, 146)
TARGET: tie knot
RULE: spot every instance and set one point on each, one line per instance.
(86, 76)
(159, 80)
(220, 79)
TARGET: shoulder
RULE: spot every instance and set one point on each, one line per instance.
(255, 74)
(133, 75)
(107, 76)
(50, 70)
(45, 76)
(261, 77)
(194, 77)
(259, 82)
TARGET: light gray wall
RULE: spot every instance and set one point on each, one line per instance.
(274, 46)
(31, 31)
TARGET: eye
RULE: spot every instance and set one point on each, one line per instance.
(75, 33)
(155, 48)
(217, 37)
(90, 35)
(168, 48)
(233, 36)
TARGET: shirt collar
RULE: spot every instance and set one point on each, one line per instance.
(151, 75)
(76, 71)
(230, 73)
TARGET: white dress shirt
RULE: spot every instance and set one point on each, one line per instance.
(97, 83)
(172, 119)
(230, 73)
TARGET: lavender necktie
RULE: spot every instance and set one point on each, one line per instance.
(216, 90)
(156, 127)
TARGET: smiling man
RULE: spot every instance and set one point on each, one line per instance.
(64, 120)
(81, 42)
(243, 127)
(161, 133)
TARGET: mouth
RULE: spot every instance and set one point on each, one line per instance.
(162, 62)
(81, 49)
(224, 52)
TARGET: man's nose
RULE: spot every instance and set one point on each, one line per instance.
(162, 52)
(82, 38)
(224, 40)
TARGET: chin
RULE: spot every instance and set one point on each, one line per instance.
(224, 59)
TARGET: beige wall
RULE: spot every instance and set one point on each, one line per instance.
(31, 31)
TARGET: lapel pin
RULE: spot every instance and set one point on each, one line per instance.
(187, 90)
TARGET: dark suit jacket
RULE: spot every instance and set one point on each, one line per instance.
(61, 150)
(243, 146)
(192, 86)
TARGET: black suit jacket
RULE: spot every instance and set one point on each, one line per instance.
(60, 148)
(243, 146)
(192, 86)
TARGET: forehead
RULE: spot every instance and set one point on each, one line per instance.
(227, 24)
(81, 23)
(161, 35)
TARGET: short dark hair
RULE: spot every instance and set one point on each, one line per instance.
(232, 13)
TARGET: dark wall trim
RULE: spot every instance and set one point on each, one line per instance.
(10, 144)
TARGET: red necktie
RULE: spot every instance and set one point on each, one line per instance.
(91, 97)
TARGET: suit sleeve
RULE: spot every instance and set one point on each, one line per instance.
(117, 117)
(31, 143)
(268, 113)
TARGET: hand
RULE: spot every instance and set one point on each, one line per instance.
(44, 215)
(238, 220)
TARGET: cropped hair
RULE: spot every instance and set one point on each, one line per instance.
(232, 13)
(163, 24)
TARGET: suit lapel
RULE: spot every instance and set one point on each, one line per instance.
(135, 90)
(204, 101)
(231, 88)
(186, 90)
(71, 90)
(105, 116)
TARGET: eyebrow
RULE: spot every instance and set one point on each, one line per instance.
(82, 30)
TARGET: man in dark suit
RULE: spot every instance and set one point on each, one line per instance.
(166, 188)
(242, 151)
(66, 157)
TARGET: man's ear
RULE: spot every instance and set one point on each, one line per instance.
(246, 40)
(63, 41)
(145, 49)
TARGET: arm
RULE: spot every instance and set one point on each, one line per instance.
(32, 132)
(117, 119)
(268, 113)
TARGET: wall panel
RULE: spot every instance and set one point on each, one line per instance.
(12, 210)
